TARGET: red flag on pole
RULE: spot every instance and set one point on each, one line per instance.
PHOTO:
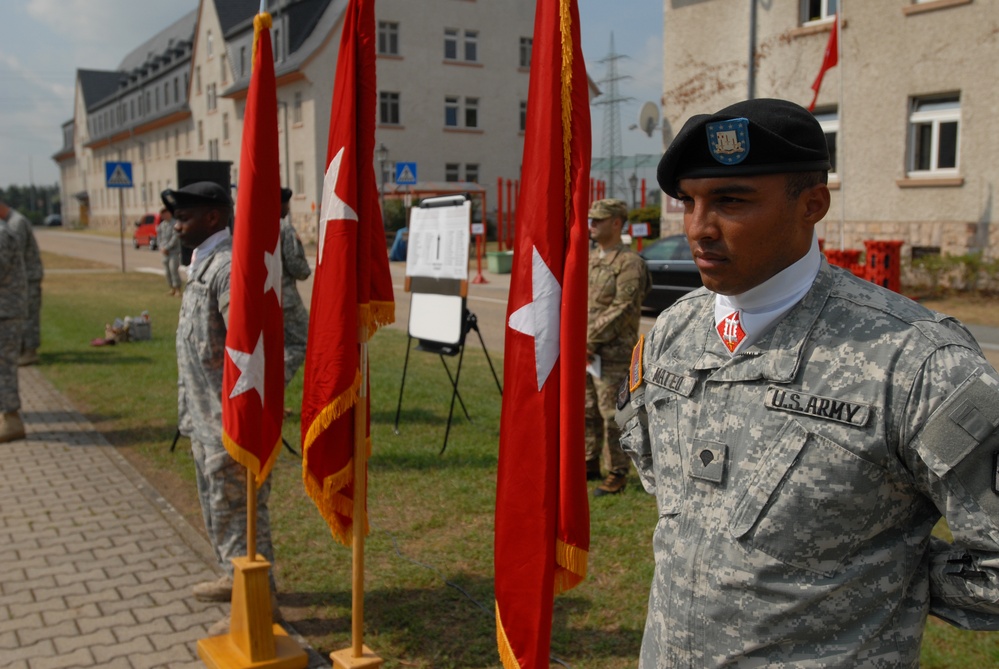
(253, 375)
(542, 513)
(829, 60)
(352, 289)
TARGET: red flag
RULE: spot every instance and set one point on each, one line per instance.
(352, 288)
(253, 375)
(829, 60)
(542, 511)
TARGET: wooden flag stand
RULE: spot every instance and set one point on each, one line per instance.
(254, 640)
(359, 656)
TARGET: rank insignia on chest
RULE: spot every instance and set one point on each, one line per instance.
(707, 461)
(635, 369)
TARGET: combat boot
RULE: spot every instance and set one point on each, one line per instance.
(612, 485)
(11, 427)
(28, 358)
(219, 590)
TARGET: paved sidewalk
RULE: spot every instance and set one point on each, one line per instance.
(96, 568)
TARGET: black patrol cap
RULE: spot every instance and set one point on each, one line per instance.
(198, 194)
(761, 136)
(286, 194)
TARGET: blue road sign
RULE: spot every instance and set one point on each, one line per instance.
(118, 175)
(405, 174)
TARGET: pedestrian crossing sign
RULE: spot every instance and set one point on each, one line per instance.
(405, 174)
(118, 174)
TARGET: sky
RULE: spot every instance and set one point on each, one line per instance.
(45, 41)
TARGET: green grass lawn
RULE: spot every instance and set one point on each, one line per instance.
(428, 581)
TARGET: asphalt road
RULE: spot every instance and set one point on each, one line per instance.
(486, 300)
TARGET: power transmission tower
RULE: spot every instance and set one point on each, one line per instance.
(611, 143)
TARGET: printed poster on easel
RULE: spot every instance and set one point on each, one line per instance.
(439, 239)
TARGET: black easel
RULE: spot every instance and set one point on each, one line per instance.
(471, 322)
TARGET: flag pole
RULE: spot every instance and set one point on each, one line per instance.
(251, 516)
(360, 497)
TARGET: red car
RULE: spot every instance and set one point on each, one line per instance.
(145, 231)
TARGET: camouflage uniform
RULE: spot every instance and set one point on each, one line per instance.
(798, 482)
(13, 303)
(33, 272)
(618, 282)
(296, 318)
(204, 312)
(168, 242)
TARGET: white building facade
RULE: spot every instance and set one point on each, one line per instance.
(452, 87)
(910, 110)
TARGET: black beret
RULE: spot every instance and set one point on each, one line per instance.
(198, 194)
(762, 136)
(286, 194)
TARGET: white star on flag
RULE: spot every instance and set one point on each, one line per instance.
(540, 318)
(334, 208)
(251, 370)
(273, 263)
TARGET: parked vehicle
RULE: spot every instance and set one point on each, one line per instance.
(145, 231)
(52, 220)
(674, 273)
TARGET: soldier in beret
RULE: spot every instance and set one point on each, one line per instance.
(294, 268)
(618, 282)
(802, 430)
(202, 212)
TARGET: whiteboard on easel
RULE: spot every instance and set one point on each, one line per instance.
(436, 318)
(439, 238)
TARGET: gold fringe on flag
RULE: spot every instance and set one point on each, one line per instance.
(565, 24)
(570, 567)
(507, 656)
(249, 460)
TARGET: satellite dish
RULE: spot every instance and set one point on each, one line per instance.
(648, 117)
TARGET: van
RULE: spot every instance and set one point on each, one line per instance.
(145, 231)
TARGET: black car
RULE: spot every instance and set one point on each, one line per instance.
(674, 273)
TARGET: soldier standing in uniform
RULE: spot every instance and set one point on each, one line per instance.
(618, 282)
(169, 246)
(13, 306)
(20, 227)
(202, 212)
(802, 429)
(294, 268)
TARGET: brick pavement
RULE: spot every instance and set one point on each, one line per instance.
(96, 568)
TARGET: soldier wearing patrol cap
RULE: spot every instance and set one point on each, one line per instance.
(618, 282)
(802, 429)
(202, 212)
(294, 268)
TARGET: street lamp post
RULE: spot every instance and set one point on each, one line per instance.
(633, 181)
(382, 154)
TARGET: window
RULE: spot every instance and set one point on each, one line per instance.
(451, 172)
(471, 45)
(176, 89)
(201, 134)
(176, 140)
(451, 44)
(197, 80)
(242, 61)
(451, 112)
(525, 51)
(277, 45)
(388, 38)
(829, 120)
(212, 101)
(224, 66)
(213, 149)
(225, 127)
(818, 10)
(388, 108)
(208, 43)
(157, 91)
(300, 177)
(472, 172)
(471, 112)
(296, 109)
(523, 115)
(933, 134)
